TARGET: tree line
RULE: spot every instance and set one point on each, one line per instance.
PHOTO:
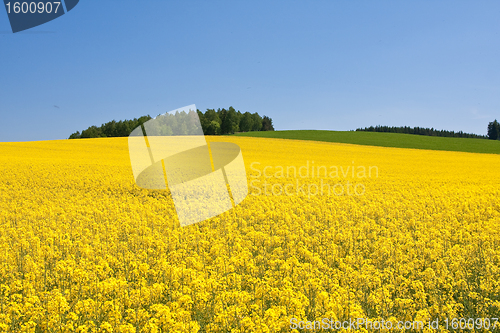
(421, 131)
(230, 121)
(213, 122)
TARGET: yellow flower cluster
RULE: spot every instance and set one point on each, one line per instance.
(83, 249)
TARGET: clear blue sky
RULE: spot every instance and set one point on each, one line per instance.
(307, 64)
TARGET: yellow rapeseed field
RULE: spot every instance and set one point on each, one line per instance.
(410, 235)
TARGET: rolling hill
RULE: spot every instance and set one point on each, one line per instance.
(386, 140)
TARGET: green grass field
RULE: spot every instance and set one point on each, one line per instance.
(386, 140)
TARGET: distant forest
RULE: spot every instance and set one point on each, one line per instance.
(213, 122)
(421, 131)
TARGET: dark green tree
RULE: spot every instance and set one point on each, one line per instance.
(109, 129)
(239, 116)
(493, 130)
(229, 121)
(92, 132)
(246, 122)
(257, 122)
(75, 135)
(213, 128)
(203, 121)
(211, 115)
(221, 113)
(267, 124)
(122, 128)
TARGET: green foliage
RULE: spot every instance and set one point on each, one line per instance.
(267, 124)
(246, 122)
(212, 122)
(420, 131)
(111, 129)
(213, 128)
(212, 115)
(75, 135)
(257, 122)
(203, 121)
(494, 130)
(230, 121)
(387, 140)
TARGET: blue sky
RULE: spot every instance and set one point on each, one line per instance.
(307, 64)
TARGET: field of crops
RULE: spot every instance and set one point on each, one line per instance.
(381, 139)
(408, 235)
